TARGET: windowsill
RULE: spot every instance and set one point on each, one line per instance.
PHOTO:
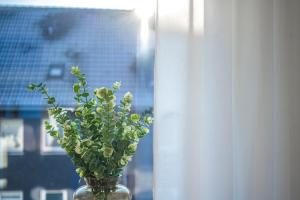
(53, 153)
(15, 153)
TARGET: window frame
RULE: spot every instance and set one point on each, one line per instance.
(48, 150)
(12, 192)
(43, 193)
(19, 150)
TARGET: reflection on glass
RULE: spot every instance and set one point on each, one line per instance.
(40, 45)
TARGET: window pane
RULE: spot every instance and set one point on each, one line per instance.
(48, 143)
(11, 130)
(10, 196)
(54, 196)
(40, 44)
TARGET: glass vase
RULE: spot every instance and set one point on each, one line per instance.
(104, 189)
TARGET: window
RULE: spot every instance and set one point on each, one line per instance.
(49, 145)
(11, 195)
(12, 132)
(56, 71)
(54, 195)
(39, 43)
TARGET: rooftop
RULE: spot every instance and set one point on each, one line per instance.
(41, 44)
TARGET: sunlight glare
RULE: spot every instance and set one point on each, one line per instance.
(144, 10)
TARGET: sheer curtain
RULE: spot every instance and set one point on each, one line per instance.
(227, 100)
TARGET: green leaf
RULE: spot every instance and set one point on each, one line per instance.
(107, 151)
(132, 148)
(127, 97)
(85, 94)
(143, 132)
(99, 110)
(76, 87)
(75, 70)
(116, 85)
(135, 118)
(48, 126)
(51, 100)
(31, 87)
(124, 160)
(148, 120)
(54, 133)
(101, 93)
(146, 130)
(83, 83)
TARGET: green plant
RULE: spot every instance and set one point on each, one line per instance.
(99, 136)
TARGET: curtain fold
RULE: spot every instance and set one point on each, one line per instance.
(227, 100)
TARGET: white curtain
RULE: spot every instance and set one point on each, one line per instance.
(227, 100)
